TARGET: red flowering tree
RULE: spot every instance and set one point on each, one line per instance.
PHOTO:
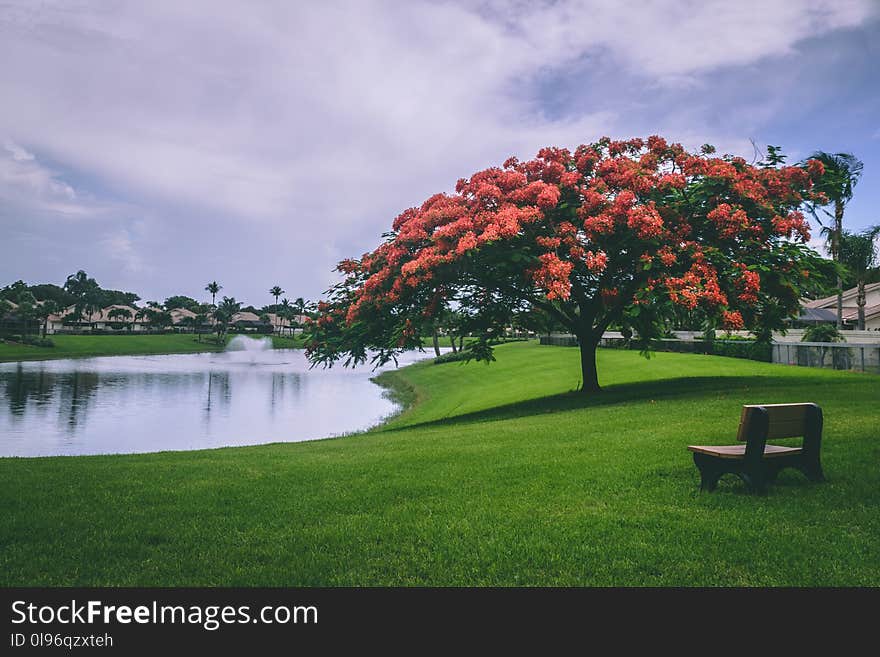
(616, 232)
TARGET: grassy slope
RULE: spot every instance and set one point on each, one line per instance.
(78, 346)
(496, 476)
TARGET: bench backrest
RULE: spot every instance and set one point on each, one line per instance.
(786, 420)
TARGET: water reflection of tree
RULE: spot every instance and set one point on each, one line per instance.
(75, 393)
(279, 384)
(219, 393)
(24, 386)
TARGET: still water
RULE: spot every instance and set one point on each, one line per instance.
(128, 404)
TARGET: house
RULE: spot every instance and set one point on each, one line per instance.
(850, 307)
(181, 316)
(284, 325)
(248, 321)
(12, 322)
(184, 318)
(111, 318)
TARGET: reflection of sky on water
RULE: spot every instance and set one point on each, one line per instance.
(152, 403)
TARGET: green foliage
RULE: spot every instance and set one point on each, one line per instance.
(41, 292)
(12, 291)
(117, 298)
(735, 347)
(822, 333)
(858, 254)
(731, 346)
(31, 340)
(181, 301)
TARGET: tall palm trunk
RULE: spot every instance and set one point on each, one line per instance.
(861, 301)
(835, 255)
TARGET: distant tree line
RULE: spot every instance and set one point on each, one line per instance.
(24, 308)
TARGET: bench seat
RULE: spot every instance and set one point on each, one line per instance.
(739, 451)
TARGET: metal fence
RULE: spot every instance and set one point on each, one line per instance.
(855, 356)
(830, 355)
(558, 340)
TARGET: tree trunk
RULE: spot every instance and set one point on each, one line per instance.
(835, 255)
(589, 373)
(452, 342)
(436, 343)
(861, 303)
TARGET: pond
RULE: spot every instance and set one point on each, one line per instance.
(133, 404)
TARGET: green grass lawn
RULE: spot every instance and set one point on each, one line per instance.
(496, 476)
(79, 346)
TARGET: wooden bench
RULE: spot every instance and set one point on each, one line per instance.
(756, 462)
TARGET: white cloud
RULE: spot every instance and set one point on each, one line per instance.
(253, 110)
(118, 246)
(323, 120)
(671, 39)
(26, 182)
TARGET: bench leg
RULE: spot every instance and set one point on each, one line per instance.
(756, 482)
(812, 470)
(710, 473)
(772, 472)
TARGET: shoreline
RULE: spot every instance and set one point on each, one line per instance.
(165, 345)
(394, 386)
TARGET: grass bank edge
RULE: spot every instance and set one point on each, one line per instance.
(110, 346)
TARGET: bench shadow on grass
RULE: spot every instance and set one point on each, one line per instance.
(738, 387)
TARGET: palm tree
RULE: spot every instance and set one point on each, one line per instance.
(858, 253)
(5, 309)
(224, 314)
(26, 311)
(87, 293)
(276, 292)
(199, 321)
(300, 306)
(121, 314)
(842, 173)
(92, 303)
(158, 317)
(139, 314)
(286, 311)
(79, 284)
(48, 307)
(214, 288)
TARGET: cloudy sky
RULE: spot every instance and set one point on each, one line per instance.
(161, 145)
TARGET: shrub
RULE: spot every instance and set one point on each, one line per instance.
(743, 348)
(822, 333)
(453, 356)
(467, 354)
(32, 340)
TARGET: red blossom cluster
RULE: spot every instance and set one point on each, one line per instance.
(698, 285)
(792, 225)
(553, 276)
(748, 282)
(732, 320)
